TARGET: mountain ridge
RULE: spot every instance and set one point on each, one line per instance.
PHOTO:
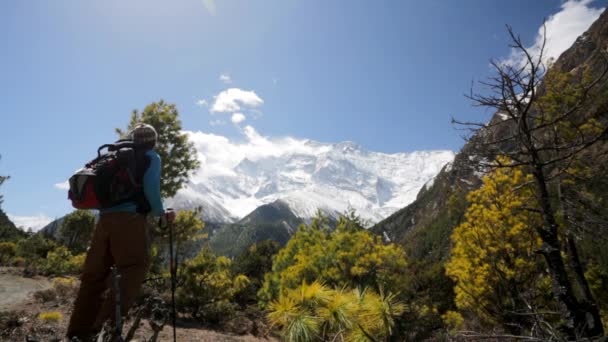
(430, 217)
(313, 176)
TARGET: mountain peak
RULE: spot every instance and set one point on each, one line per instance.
(310, 177)
(348, 146)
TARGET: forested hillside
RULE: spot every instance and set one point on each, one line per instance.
(573, 91)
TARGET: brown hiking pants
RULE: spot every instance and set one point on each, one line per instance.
(119, 239)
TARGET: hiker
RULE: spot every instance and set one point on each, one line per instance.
(121, 239)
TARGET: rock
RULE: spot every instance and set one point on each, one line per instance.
(239, 325)
(260, 328)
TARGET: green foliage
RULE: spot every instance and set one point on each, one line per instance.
(348, 256)
(76, 230)
(254, 264)
(257, 260)
(234, 239)
(187, 226)
(8, 250)
(34, 248)
(453, 321)
(187, 239)
(273, 221)
(598, 282)
(2, 180)
(314, 312)
(178, 155)
(569, 93)
(493, 259)
(8, 230)
(208, 285)
(428, 292)
(187, 233)
(40, 254)
(60, 262)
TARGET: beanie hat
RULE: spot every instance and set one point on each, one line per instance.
(143, 134)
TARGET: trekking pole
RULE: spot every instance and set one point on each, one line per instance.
(172, 269)
(116, 279)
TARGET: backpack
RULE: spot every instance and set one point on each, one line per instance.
(112, 178)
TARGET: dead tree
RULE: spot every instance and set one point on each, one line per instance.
(546, 139)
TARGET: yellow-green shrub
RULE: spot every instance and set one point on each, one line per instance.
(493, 259)
(348, 256)
(453, 321)
(315, 312)
(60, 261)
(51, 316)
(8, 250)
(64, 281)
(18, 261)
(75, 263)
(209, 286)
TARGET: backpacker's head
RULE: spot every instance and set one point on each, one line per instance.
(144, 135)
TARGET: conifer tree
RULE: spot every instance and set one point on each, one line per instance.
(2, 180)
(494, 260)
(178, 155)
(76, 230)
(545, 126)
(315, 312)
(348, 256)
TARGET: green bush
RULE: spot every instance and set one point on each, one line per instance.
(208, 286)
(314, 312)
(76, 230)
(18, 262)
(8, 250)
(50, 317)
(61, 262)
(34, 248)
(254, 263)
(349, 256)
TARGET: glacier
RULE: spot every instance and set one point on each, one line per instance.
(237, 177)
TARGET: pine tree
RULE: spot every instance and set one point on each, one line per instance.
(494, 259)
(315, 312)
(545, 126)
(76, 230)
(348, 256)
(2, 180)
(178, 155)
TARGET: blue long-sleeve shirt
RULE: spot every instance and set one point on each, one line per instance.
(151, 185)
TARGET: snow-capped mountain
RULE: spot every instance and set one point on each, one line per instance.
(305, 174)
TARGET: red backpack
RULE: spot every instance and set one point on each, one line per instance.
(108, 180)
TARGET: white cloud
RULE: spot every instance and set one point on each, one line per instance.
(225, 78)
(34, 222)
(63, 186)
(237, 118)
(217, 122)
(232, 99)
(219, 155)
(202, 103)
(563, 28)
(210, 6)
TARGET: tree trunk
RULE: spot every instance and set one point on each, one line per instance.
(592, 313)
(579, 321)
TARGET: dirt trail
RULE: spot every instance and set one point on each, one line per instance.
(16, 294)
(15, 289)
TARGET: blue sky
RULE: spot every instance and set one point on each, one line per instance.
(387, 75)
